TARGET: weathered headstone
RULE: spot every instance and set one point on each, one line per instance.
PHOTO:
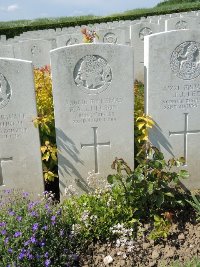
(36, 51)
(93, 99)
(138, 31)
(172, 61)
(20, 157)
(6, 51)
(69, 39)
(112, 36)
(182, 23)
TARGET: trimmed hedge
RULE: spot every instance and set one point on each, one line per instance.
(128, 15)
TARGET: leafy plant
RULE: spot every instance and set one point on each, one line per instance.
(45, 122)
(161, 228)
(142, 122)
(195, 204)
(148, 189)
(93, 215)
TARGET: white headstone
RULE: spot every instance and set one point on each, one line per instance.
(138, 31)
(6, 51)
(182, 23)
(172, 61)
(69, 39)
(20, 157)
(36, 51)
(93, 99)
(112, 36)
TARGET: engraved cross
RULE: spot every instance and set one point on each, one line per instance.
(185, 133)
(1, 172)
(96, 145)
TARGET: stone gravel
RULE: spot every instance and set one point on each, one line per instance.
(182, 244)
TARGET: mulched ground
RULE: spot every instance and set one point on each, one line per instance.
(182, 244)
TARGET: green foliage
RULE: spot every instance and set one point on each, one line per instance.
(93, 215)
(148, 189)
(195, 203)
(161, 228)
(195, 262)
(175, 2)
(45, 122)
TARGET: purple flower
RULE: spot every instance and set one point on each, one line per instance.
(27, 243)
(25, 194)
(32, 204)
(53, 220)
(21, 255)
(17, 234)
(6, 240)
(59, 211)
(33, 213)
(10, 250)
(46, 255)
(3, 232)
(19, 218)
(2, 224)
(33, 240)
(42, 243)
(11, 213)
(7, 191)
(45, 227)
(35, 226)
(29, 255)
(46, 206)
(47, 262)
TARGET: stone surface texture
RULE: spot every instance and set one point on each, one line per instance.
(20, 157)
(172, 62)
(138, 32)
(93, 98)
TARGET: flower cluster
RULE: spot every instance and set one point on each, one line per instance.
(33, 233)
(89, 35)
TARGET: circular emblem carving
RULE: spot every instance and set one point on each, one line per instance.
(185, 60)
(5, 91)
(180, 25)
(92, 74)
(71, 41)
(35, 50)
(143, 32)
(110, 38)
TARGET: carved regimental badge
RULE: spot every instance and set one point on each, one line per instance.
(5, 91)
(143, 32)
(180, 25)
(185, 60)
(110, 38)
(71, 41)
(35, 50)
(92, 74)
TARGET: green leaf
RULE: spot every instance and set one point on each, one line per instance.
(150, 188)
(183, 174)
(169, 194)
(160, 199)
(110, 179)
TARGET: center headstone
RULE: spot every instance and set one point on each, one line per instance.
(172, 61)
(93, 98)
